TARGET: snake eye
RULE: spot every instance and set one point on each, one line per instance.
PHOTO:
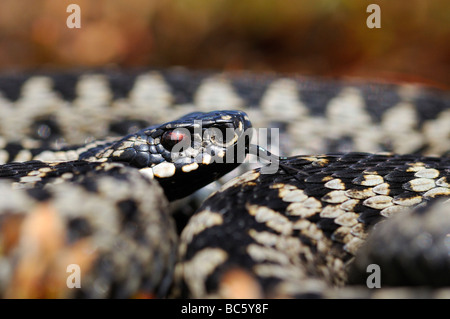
(171, 138)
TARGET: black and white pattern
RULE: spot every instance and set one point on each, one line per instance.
(291, 234)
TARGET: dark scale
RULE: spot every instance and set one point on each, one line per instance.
(251, 89)
(11, 84)
(12, 149)
(78, 228)
(378, 99)
(317, 94)
(430, 104)
(65, 85)
(127, 126)
(127, 155)
(399, 176)
(369, 216)
(184, 84)
(128, 210)
(327, 225)
(121, 84)
(142, 159)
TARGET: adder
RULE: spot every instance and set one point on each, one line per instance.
(292, 233)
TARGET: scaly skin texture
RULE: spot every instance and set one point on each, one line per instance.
(103, 212)
(112, 224)
(294, 232)
(313, 116)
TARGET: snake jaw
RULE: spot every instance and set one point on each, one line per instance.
(192, 149)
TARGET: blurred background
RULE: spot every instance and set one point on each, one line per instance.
(320, 37)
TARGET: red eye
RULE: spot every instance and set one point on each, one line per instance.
(172, 138)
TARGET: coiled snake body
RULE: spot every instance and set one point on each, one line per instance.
(281, 233)
(292, 233)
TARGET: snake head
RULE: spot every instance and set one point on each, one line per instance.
(188, 153)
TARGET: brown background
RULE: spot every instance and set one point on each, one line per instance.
(311, 37)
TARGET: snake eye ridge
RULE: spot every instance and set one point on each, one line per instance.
(171, 138)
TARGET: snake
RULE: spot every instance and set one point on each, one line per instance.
(87, 179)
(151, 152)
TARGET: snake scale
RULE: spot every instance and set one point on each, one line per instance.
(86, 154)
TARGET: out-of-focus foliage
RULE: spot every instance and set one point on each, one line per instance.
(321, 37)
